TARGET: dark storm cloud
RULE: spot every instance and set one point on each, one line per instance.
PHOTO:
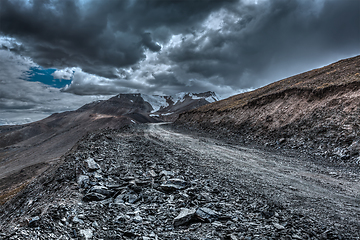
(148, 42)
(17, 48)
(246, 46)
(164, 80)
(98, 35)
(271, 40)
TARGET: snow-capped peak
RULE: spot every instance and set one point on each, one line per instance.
(179, 97)
(208, 96)
(161, 102)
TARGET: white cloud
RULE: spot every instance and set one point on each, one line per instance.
(22, 101)
(66, 73)
(9, 43)
(89, 84)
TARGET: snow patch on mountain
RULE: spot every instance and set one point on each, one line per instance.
(212, 99)
(156, 102)
(208, 96)
(179, 97)
(211, 96)
(160, 102)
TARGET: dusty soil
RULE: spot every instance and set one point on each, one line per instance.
(11, 185)
(154, 182)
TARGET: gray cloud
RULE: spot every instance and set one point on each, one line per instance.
(98, 35)
(22, 101)
(234, 43)
(272, 40)
(148, 42)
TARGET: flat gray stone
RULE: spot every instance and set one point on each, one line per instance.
(93, 196)
(101, 190)
(137, 219)
(83, 181)
(86, 233)
(278, 226)
(77, 220)
(184, 216)
(174, 184)
(206, 214)
(92, 165)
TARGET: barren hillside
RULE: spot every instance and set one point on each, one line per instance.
(27, 150)
(317, 110)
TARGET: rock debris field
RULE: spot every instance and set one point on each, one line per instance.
(149, 182)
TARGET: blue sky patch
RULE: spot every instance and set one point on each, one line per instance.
(40, 74)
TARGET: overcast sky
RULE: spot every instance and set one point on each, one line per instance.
(56, 55)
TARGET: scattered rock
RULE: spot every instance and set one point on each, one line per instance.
(34, 221)
(278, 226)
(93, 196)
(232, 237)
(83, 181)
(134, 197)
(77, 220)
(86, 233)
(184, 216)
(92, 165)
(206, 214)
(95, 224)
(152, 173)
(167, 173)
(217, 224)
(174, 184)
(137, 219)
(101, 190)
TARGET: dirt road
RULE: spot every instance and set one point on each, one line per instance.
(322, 192)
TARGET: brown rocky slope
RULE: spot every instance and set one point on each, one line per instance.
(313, 111)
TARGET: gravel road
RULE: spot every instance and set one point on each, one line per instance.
(322, 192)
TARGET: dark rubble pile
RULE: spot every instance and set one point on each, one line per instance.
(121, 185)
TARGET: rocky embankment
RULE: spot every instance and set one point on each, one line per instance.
(317, 112)
(123, 184)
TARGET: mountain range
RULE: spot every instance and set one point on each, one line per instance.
(27, 150)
